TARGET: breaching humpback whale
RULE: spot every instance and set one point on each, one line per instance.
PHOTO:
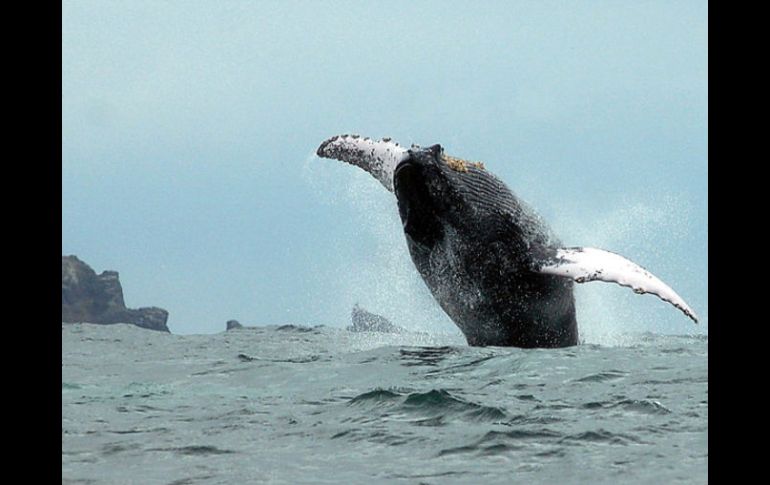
(490, 262)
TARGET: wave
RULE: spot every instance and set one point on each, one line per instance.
(438, 406)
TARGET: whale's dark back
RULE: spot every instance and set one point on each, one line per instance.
(474, 243)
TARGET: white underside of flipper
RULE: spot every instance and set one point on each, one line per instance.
(591, 264)
(378, 157)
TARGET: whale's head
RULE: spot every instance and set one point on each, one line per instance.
(428, 199)
(436, 193)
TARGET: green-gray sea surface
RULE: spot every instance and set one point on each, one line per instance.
(297, 404)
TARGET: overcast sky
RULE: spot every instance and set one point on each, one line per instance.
(189, 131)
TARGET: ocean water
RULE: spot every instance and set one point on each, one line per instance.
(298, 404)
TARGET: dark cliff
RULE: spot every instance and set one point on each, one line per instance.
(88, 297)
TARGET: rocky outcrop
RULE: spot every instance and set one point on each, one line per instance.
(232, 324)
(364, 321)
(88, 297)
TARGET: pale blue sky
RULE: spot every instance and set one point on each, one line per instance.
(189, 128)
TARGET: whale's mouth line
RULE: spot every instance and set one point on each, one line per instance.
(420, 216)
(403, 183)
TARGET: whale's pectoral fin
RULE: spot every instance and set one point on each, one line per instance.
(378, 157)
(591, 264)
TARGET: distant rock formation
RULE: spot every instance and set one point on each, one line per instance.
(231, 324)
(88, 297)
(364, 321)
(295, 328)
